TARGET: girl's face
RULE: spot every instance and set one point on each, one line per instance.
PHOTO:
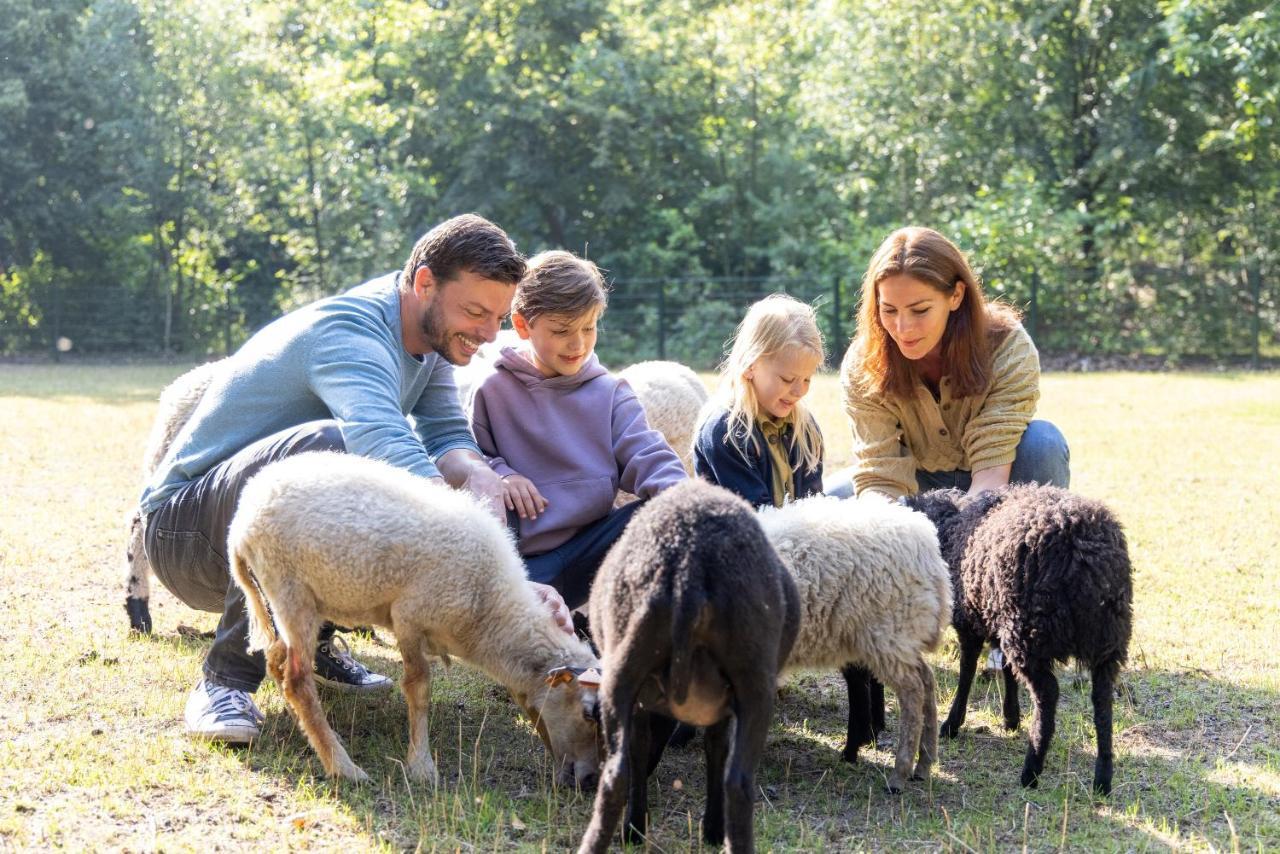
(561, 345)
(915, 314)
(782, 379)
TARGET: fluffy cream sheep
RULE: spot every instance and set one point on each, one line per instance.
(875, 592)
(340, 537)
(178, 400)
(672, 396)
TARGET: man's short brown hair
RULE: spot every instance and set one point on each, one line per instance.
(465, 244)
(559, 282)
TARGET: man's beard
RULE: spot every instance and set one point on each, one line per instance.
(436, 335)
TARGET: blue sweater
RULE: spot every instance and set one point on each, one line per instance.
(340, 358)
(751, 476)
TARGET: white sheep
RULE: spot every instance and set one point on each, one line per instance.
(178, 400)
(329, 536)
(671, 395)
(875, 592)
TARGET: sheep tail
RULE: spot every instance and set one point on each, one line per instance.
(687, 616)
(262, 631)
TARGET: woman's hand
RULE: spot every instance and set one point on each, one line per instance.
(519, 494)
(992, 478)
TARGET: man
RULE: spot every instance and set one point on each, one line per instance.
(342, 374)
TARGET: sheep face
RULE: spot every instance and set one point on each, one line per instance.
(566, 714)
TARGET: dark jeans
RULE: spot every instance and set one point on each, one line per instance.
(186, 543)
(1042, 456)
(572, 567)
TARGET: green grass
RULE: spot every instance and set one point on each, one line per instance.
(92, 753)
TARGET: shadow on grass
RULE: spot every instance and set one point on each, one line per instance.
(1193, 764)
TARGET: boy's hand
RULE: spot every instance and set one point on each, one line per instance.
(522, 496)
(559, 610)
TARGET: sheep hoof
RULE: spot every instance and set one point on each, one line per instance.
(850, 754)
(353, 773)
(894, 789)
(424, 773)
(1011, 724)
(1030, 779)
(139, 614)
(948, 730)
(918, 777)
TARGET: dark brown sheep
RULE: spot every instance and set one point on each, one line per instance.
(694, 614)
(1045, 574)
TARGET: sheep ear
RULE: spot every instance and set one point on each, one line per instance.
(560, 676)
(590, 678)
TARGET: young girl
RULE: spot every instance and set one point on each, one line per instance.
(760, 441)
(562, 432)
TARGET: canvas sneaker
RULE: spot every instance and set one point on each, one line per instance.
(995, 663)
(335, 668)
(218, 713)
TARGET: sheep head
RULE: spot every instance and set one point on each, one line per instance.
(565, 711)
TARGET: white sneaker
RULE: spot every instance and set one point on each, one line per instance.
(227, 715)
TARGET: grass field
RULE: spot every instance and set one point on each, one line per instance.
(92, 753)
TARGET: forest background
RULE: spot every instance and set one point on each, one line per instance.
(174, 173)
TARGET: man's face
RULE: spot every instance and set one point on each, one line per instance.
(463, 313)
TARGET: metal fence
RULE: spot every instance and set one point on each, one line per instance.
(690, 320)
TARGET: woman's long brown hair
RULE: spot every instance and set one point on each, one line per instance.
(973, 330)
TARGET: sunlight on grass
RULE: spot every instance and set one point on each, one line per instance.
(94, 756)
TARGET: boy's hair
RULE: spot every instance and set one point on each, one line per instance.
(774, 324)
(465, 244)
(559, 282)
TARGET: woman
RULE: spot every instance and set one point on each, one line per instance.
(940, 386)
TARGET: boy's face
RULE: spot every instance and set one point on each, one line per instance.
(781, 380)
(561, 345)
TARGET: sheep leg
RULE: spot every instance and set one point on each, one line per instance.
(616, 712)
(929, 728)
(276, 655)
(910, 690)
(752, 716)
(137, 590)
(661, 728)
(970, 649)
(875, 695)
(637, 821)
(1044, 698)
(715, 743)
(417, 694)
(861, 725)
(300, 693)
(1102, 695)
(1012, 713)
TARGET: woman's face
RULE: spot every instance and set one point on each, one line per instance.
(915, 314)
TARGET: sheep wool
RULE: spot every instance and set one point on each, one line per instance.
(334, 536)
(874, 592)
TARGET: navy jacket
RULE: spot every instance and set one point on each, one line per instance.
(751, 477)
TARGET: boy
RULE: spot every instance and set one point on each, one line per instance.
(562, 432)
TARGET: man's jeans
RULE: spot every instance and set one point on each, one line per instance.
(570, 568)
(186, 543)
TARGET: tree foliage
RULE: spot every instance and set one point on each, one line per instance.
(175, 173)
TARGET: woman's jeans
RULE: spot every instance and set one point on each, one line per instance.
(1042, 457)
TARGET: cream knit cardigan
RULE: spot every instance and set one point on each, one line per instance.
(893, 437)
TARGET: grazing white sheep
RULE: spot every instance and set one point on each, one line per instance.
(178, 400)
(672, 396)
(344, 538)
(874, 591)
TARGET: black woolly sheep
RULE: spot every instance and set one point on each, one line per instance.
(1046, 574)
(694, 615)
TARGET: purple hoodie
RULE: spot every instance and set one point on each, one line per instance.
(578, 438)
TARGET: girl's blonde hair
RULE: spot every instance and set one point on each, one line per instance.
(775, 324)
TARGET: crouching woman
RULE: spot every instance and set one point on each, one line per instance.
(940, 385)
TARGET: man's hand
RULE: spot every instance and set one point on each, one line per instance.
(559, 611)
(522, 496)
(484, 483)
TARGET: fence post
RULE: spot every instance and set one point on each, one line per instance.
(662, 320)
(1033, 314)
(1255, 276)
(837, 335)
